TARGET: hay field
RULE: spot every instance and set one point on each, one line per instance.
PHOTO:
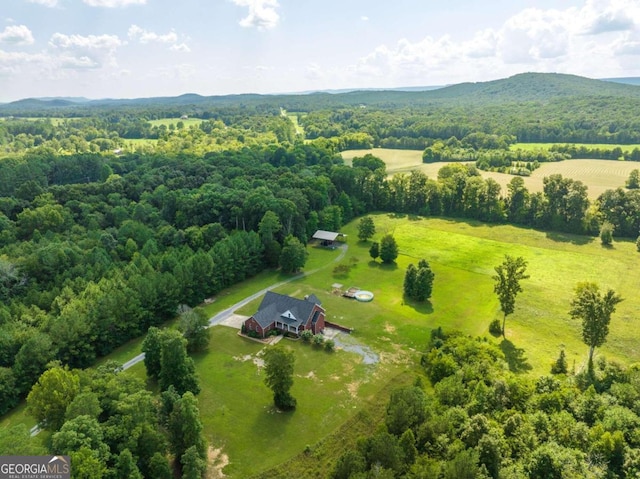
(547, 146)
(598, 175)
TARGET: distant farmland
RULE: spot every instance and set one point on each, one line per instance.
(598, 175)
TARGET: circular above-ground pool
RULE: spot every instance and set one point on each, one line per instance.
(364, 296)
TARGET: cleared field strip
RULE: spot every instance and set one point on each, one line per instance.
(598, 175)
(547, 146)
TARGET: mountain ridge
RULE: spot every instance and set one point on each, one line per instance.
(523, 87)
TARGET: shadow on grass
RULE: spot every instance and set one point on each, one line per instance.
(421, 307)
(409, 216)
(383, 266)
(515, 357)
(273, 422)
(569, 238)
(388, 266)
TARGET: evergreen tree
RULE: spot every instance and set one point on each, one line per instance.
(410, 280)
(374, 251)
(423, 285)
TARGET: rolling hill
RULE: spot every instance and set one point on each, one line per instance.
(521, 88)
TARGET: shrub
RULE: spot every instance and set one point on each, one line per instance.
(560, 365)
(306, 335)
(495, 327)
(318, 340)
(329, 345)
(638, 244)
(341, 269)
(606, 233)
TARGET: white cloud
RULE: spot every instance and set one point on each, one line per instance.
(364, 18)
(17, 35)
(78, 63)
(598, 16)
(97, 42)
(600, 36)
(114, 3)
(46, 3)
(262, 13)
(180, 47)
(82, 52)
(145, 36)
(534, 34)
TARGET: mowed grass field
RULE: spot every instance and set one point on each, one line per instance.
(598, 175)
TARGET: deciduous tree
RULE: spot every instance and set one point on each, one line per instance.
(595, 310)
(293, 256)
(185, 428)
(51, 395)
(366, 228)
(152, 349)
(633, 181)
(507, 278)
(278, 368)
(194, 325)
(176, 368)
(388, 249)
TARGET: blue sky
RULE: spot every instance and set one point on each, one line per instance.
(143, 48)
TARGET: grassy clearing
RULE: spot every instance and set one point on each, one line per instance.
(237, 408)
(294, 119)
(598, 175)
(547, 146)
(174, 121)
(55, 121)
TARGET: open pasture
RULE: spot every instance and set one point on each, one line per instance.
(168, 121)
(598, 175)
(462, 255)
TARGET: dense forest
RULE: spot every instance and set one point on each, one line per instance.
(101, 241)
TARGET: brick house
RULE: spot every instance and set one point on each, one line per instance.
(287, 314)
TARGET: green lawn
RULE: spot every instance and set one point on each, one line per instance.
(237, 408)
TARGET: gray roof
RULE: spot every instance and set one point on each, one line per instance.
(325, 235)
(284, 309)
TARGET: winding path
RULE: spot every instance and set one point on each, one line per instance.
(222, 315)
